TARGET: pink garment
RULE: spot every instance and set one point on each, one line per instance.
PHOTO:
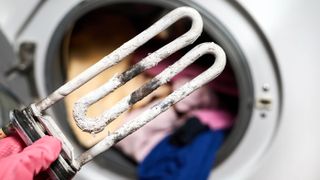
(203, 104)
(215, 119)
(141, 142)
(24, 163)
(200, 98)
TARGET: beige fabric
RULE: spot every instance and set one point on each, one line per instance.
(86, 47)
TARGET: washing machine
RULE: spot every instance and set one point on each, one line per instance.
(272, 51)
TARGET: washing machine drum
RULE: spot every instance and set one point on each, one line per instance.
(93, 29)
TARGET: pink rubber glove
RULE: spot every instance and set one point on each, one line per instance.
(18, 162)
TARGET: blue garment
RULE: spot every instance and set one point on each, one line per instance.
(192, 161)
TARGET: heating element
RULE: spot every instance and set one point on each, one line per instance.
(31, 123)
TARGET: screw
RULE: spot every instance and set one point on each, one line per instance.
(263, 115)
(266, 87)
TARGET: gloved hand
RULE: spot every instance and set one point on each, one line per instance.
(18, 162)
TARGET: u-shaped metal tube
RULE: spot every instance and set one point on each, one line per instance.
(126, 49)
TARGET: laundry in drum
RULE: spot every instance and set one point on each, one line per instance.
(189, 153)
(140, 91)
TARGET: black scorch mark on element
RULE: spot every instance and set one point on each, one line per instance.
(131, 73)
(143, 91)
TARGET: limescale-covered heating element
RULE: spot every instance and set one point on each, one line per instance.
(97, 124)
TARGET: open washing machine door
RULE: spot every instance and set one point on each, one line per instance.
(264, 64)
(292, 29)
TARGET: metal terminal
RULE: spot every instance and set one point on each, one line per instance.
(97, 124)
(51, 128)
